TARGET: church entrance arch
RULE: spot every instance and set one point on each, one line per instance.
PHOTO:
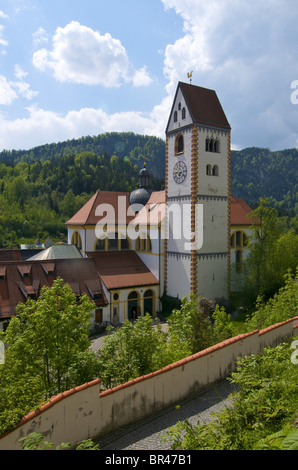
(132, 303)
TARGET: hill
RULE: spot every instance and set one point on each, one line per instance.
(138, 148)
(255, 172)
(258, 172)
(42, 188)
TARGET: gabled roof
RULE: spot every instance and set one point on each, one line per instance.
(122, 269)
(19, 280)
(204, 106)
(116, 202)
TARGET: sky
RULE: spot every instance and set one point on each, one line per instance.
(72, 68)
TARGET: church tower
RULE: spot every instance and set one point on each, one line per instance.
(197, 195)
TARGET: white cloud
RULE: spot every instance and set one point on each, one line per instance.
(3, 41)
(7, 93)
(82, 55)
(40, 36)
(141, 77)
(45, 126)
(12, 90)
(247, 52)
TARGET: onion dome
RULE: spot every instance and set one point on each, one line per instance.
(142, 194)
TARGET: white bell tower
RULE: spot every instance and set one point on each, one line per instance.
(197, 187)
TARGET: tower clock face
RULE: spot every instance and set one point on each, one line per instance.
(179, 172)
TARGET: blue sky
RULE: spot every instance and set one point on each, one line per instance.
(74, 68)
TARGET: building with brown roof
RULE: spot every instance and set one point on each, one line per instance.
(129, 254)
(21, 280)
(197, 182)
(130, 286)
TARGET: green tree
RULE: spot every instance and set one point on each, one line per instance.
(131, 351)
(192, 324)
(265, 233)
(272, 251)
(222, 326)
(45, 335)
(282, 306)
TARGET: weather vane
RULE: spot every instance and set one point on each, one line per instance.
(189, 75)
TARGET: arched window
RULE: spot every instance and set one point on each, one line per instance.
(132, 305)
(209, 170)
(76, 240)
(239, 239)
(149, 302)
(179, 144)
(216, 146)
(112, 242)
(212, 145)
(100, 244)
(175, 116)
(215, 170)
(183, 113)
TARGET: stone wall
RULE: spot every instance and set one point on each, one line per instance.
(84, 412)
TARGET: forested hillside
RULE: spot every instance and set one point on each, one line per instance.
(258, 172)
(42, 188)
(124, 145)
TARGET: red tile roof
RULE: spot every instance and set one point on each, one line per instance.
(115, 203)
(239, 212)
(20, 280)
(122, 269)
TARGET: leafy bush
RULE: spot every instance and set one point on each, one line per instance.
(266, 403)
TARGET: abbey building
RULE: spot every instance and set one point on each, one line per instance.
(179, 240)
(143, 245)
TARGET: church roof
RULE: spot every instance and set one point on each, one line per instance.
(122, 269)
(204, 106)
(21, 279)
(239, 212)
(116, 203)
